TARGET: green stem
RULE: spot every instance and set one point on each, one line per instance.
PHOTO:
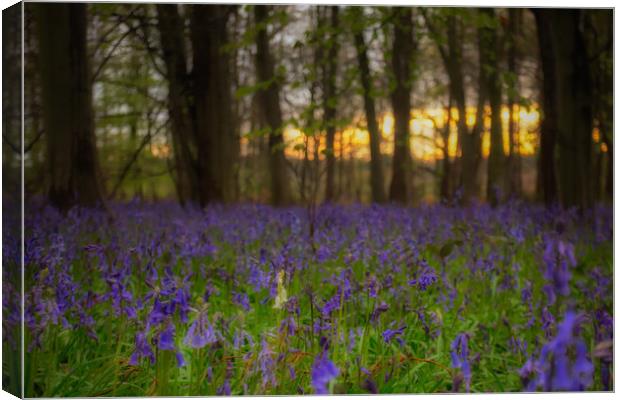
(163, 372)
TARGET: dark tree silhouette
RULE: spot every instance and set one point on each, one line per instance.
(67, 105)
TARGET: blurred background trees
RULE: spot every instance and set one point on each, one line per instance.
(306, 104)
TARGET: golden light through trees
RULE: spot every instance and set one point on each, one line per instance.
(425, 142)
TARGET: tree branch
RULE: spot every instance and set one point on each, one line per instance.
(146, 140)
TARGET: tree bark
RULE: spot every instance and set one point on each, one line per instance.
(212, 95)
(514, 163)
(330, 101)
(269, 99)
(445, 191)
(11, 106)
(599, 25)
(376, 166)
(574, 109)
(402, 56)
(67, 105)
(495, 172)
(171, 33)
(549, 123)
(466, 165)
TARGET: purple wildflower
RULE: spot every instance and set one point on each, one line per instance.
(323, 371)
(266, 363)
(331, 305)
(143, 349)
(165, 341)
(373, 286)
(426, 277)
(379, 309)
(459, 352)
(200, 332)
(558, 256)
(390, 334)
(554, 370)
(242, 299)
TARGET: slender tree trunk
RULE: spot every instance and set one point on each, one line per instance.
(330, 103)
(495, 171)
(11, 108)
(213, 98)
(237, 106)
(269, 99)
(514, 32)
(445, 192)
(67, 105)
(549, 124)
(402, 55)
(599, 27)
(12, 270)
(609, 178)
(341, 162)
(171, 34)
(376, 167)
(466, 164)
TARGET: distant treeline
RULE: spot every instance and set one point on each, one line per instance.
(193, 100)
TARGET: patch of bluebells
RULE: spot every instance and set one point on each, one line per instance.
(563, 363)
(426, 277)
(181, 280)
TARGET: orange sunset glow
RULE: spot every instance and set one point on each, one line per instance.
(426, 143)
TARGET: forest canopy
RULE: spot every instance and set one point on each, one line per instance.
(309, 103)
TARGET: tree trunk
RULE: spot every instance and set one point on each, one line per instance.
(172, 40)
(376, 167)
(549, 124)
(402, 55)
(609, 177)
(12, 268)
(67, 105)
(495, 172)
(599, 25)
(469, 141)
(11, 107)
(212, 82)
(514, 163)
(574, 109)
(330, 101)
(445, 191)
(269, 99)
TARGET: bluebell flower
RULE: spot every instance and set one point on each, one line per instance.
(554, 369)
(224, 390)
(165, 341)
(200, 332)
(331, 305)
(379, 309)
(242, 299)
(266, 364)
(323, 371)
(459, 351)
(373, 286)
(558, 256)
(390, 334)
(143, 349)
(425, 278)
